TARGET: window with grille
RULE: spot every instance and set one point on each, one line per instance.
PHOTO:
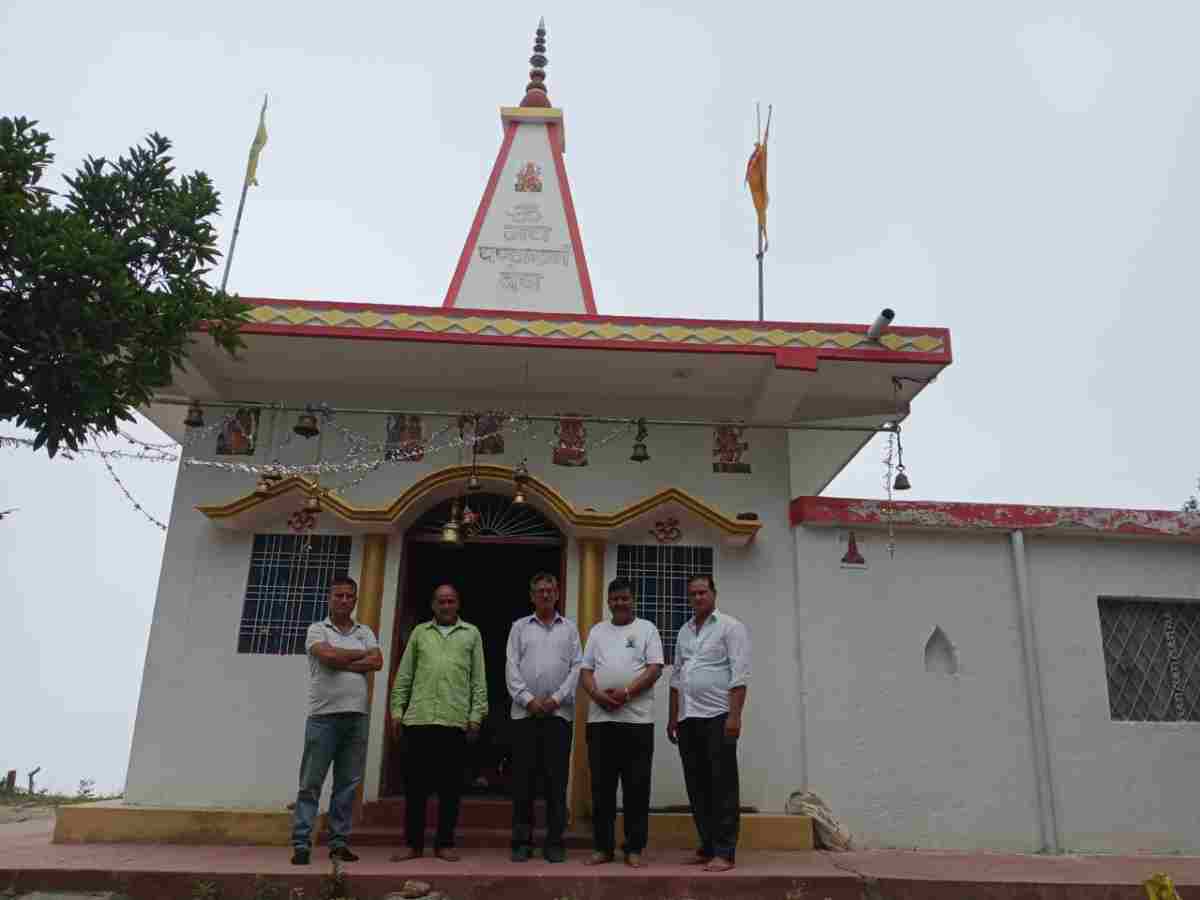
(288, 589)
(659, 576)
(1152, 656)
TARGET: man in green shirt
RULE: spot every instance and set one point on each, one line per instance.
(439, 699)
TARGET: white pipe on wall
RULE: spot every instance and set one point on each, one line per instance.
(1034, 700)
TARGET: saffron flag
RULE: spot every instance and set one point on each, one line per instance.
(256, 148)
(756, 178)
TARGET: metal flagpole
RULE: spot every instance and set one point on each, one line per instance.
(237, 224)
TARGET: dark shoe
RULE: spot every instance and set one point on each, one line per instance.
(300, 856)
(521, 854)
(343, 854)
(555, 854)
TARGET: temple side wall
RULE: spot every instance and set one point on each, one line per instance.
(915, 758)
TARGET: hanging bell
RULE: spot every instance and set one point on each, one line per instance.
(194, 417)
(474, 484)
(306, 425)
(520, 479)
(519, 497)
(639, 447)
(901, 483)
(450, 535)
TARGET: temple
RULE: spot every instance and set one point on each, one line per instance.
(942, 674)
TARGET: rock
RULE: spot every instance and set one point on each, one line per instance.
(410, 890)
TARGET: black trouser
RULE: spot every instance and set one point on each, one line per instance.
(541, 747)
(618, 750)
(434, 764)
(710, 769)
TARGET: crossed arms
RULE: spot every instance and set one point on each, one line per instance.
(348, 660)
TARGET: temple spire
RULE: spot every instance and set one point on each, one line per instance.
(535, 91)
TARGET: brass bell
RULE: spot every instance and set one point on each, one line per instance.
(194, 417)
(306, 425)
(901, 483)
(519, 497)
(639, 448)
(450, 535)
(474, 484)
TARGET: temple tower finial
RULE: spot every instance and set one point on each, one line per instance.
(535, 91)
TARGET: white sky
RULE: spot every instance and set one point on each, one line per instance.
(1026, 174)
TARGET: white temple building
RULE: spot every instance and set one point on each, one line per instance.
(942, 674)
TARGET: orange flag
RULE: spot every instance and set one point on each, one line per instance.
(756, 178)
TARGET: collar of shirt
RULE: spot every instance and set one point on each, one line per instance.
(558, 617)
(691, 623)
(458, 623)
(329, 621)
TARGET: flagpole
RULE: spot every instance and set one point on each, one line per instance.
(760, 275)
(237, 225)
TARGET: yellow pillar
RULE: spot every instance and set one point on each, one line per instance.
(591, 611)
(370, 606)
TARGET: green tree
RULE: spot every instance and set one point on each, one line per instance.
(101, 286)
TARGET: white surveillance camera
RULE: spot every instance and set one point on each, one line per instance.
(880, 325)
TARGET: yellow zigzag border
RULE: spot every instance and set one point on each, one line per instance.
(436, 323)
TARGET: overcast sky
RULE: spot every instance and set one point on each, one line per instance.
(1025, 174)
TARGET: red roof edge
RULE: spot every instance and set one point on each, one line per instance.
(948, 516)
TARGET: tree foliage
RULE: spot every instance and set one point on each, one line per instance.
(102, 285)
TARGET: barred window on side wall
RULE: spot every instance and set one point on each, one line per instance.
(288, 589)
(659, 576)
(1152, 659)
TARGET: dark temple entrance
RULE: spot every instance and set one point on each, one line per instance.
(491, 570)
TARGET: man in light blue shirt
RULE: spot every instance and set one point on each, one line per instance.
(708, 693)
(542, 672)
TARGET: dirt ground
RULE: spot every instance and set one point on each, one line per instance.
(25, 812)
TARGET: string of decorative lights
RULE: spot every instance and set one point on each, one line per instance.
(124, 490)
(145, 456)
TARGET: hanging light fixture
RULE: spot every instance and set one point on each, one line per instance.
(520, 479)
(194, 417)
(639, 446)
(306, 424)
(901, 483)
(452, 530)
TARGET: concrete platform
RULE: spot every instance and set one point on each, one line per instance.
(482, 824)
(29, 862)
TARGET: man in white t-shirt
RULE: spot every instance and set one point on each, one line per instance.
(341, 653)
(622, 660)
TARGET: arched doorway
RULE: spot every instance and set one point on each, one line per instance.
(505, 545)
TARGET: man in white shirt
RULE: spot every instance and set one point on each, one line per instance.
(542, 672)
(340, 654)
(622, 660)
(708, 693)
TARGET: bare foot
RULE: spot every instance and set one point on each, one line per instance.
(406, 855)
(598, 859)
(446, 854)
(719, 864)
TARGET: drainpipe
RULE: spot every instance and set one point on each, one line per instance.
(1035, 707)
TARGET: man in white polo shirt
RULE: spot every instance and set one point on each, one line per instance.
(622, 660)
(340, 654)
(708, 692)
